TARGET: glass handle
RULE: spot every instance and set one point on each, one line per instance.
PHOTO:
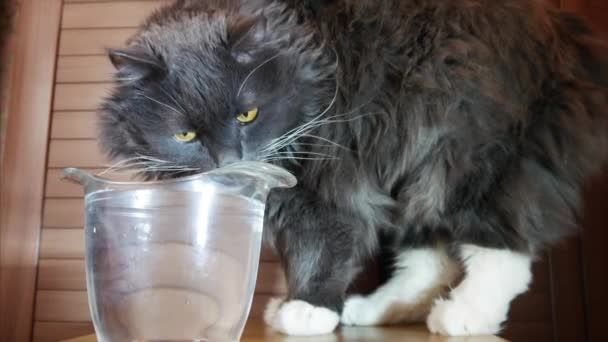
(80, 177)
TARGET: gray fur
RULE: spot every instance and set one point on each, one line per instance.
(438, 121)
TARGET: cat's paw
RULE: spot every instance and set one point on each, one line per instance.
(272, 308)
(455, 318)
(300, 318)
(358, 310)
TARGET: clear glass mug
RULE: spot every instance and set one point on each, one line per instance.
(175, 260)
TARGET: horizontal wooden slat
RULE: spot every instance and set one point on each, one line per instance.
(61, 243)
(63, 213)
(92, 41)
(107, 14)
(80, 97)
(75, 153)
(57, 274)
(72, 69)
(62, 306)
(72, 306)
(74, 125)
(60, 331)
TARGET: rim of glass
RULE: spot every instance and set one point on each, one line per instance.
(281, 172)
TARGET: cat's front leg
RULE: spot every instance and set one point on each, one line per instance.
(318, 248)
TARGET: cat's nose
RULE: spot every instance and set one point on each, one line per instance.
(227, 157)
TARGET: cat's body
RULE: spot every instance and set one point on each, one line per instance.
(459, 131)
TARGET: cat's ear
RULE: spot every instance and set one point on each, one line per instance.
(246, 37)
(133, 65)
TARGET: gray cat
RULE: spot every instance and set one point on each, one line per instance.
(452, 135)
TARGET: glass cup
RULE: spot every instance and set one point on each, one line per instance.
(175, 260)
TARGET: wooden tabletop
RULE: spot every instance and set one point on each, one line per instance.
(256, 331)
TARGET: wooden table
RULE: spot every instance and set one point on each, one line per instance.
(256, 331)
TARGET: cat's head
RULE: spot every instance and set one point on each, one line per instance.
(206, 83)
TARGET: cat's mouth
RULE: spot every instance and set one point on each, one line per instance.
(151, 168)
(152, 175)
(148, 167)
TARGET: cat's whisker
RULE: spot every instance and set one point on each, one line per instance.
(254, 71)
(294, 138)
(135, 161)
(316, 124)
(329, 120)
(144, 171)
(177, 172)
(119, 169)
(141, 162)
(139, 174)
(124, 163)
(315, 119)
(299, 159)
(142, 156)
(173, 99)
(126, 79)
(287, 140)
(328, 141)
(287, 134)
(311, 122)
(311, 144)
(304, 153)
(170, 167)
(154, 161)
(121, 161)
(162, 104)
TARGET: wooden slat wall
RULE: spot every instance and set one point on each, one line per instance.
(22, 168)
(82, 79)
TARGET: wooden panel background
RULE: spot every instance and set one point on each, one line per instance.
(593, 254)
(23, 166)
(589, 252)
(83, 76)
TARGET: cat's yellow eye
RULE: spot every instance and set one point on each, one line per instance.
(248, 116)
(185, 136)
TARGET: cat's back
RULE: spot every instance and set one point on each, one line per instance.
(501, 25)
(524, 42)
(479, 71)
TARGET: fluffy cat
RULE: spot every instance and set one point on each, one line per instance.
(454, 134)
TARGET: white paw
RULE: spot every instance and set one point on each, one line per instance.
(299, 318)
(272, 308)
(358, 311)
(454, 318)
